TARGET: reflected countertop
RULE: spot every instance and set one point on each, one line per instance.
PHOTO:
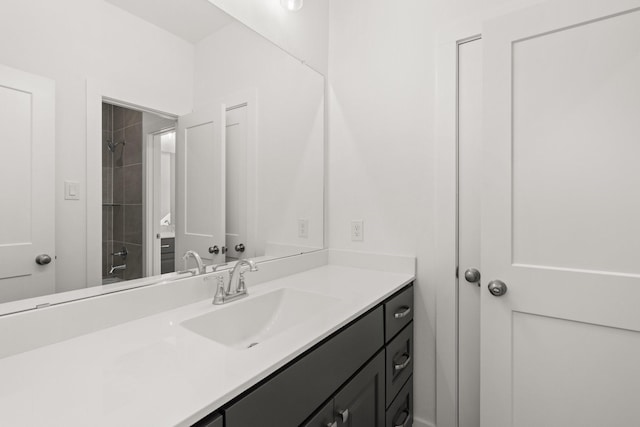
(155, 372)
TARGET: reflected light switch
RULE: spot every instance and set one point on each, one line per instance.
(71, 190)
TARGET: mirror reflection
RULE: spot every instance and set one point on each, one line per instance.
(137, 134)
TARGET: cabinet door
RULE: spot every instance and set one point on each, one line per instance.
(324, 418)
(361, 402)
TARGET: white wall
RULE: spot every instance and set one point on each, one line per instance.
(290, 113)
(70, 41)
(303, 33)
(382, 149)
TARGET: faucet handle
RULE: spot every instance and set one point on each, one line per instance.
(241, 286)
(220, 293)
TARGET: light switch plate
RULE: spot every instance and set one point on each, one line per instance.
(71, 190)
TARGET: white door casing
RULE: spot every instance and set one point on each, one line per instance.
(559, 217)
(200, 184)
(27, 182)
(469, 190)
(237, 182)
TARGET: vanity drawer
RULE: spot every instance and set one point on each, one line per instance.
(398, 312)
(168, 245)
(399, 360)
(400, 413)
(287, 398)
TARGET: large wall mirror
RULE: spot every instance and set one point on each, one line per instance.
(135, 131)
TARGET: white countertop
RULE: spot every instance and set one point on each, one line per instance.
(154, 372)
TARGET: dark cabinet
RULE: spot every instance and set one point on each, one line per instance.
(167, 255)
(360, 403)
(289, 397)
(361, 376)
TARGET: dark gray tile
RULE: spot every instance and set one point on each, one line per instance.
(118, 118)
(133, 224)
(118, 223)
(107, 185)
(107, 226)
(118, 185)
(107, 157)
(132, 182)
(107, 117)
(134, 262)
(105, 259)
(118, 152)
(133, 149)
(132, 117)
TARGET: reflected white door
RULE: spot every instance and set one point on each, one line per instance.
(236, 194)
(560, 227)
(469, 189)
(200, 185)
(27, 177)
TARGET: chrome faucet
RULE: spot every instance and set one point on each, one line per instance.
(235, 277)
(194, 254)
(115, 268)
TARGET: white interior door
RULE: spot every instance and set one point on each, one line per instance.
(200, 184)
(236, 194)
(27, 177)
(469, 189)
(560, 225)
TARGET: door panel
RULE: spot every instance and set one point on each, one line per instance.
(469, 190)
(27, 114)
(236, 195)
(559, 218)
(200, 184)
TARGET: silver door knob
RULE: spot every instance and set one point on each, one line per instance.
(472, 276)
(43, 259)
(497, 288)
(214, 250)
(240, 247)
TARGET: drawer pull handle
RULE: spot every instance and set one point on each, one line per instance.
(345, 415)
(404, 313)
(404, 416)
(165, 246)
(399, 366)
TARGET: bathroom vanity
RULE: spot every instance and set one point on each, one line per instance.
(328, 346)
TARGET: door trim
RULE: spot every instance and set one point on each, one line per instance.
(446, 120)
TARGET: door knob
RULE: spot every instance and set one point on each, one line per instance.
(472, 276)
(43, 259)
(214, 250)
(240, 247)
(497, 288)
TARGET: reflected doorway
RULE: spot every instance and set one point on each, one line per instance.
(128, 187)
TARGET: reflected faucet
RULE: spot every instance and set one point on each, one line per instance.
(194, 254)
(236, 276)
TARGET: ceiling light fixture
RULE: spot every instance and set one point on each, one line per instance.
(292, 5)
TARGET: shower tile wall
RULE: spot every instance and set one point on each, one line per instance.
(122, 191)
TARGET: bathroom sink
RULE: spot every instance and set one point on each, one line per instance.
(247, 323)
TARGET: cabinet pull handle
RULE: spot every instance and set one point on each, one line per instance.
(398, 366)
(404, 313)
(165, 246)
(405, 419)
(333, 424)
(345, 415)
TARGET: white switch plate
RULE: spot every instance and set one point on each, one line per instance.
(71, 190)
(303, 228)
(357, 230)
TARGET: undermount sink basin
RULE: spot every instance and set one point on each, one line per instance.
(247, 323)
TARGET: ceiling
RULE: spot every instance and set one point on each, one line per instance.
(191, 20)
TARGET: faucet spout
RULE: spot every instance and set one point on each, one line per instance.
(199, 263)
(236, 275)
